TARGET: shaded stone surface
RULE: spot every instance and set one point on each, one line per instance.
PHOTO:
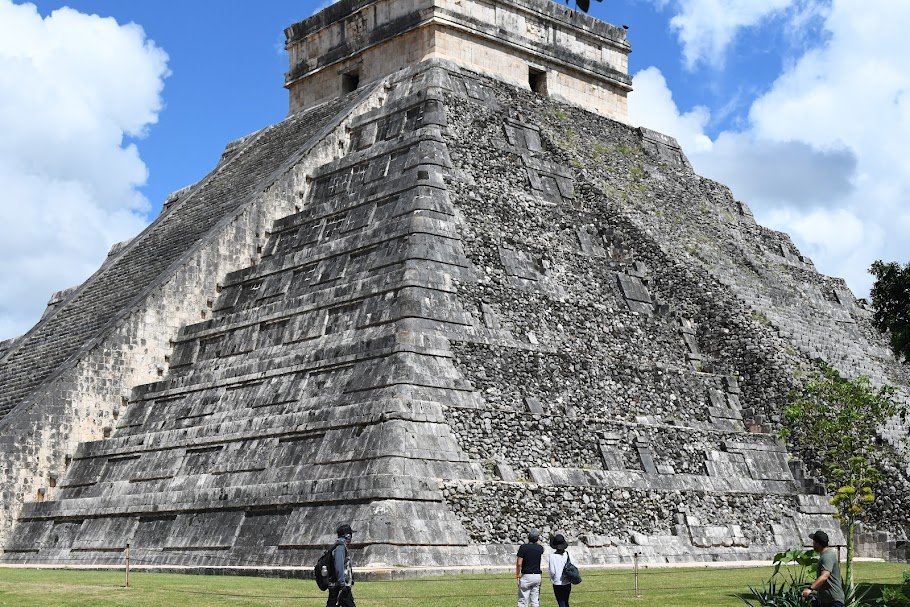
(461, 330)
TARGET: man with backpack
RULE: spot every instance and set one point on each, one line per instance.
(334, 570)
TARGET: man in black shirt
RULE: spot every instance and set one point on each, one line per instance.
(527, 571)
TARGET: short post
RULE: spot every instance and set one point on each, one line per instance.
(127, 565)
(635, 572)
(838, 554)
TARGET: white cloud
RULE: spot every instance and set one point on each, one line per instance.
(72, 88)
(651, 103)
(706, 28)
(771, 173)
(823, 156)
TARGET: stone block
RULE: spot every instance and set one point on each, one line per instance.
(611, 457)
(156, 465)
(588, 243)
(663, 147)
(105, 534)
(306, 326)
(687, 327)
(534, 405)
(521, 264)
(505, 472)
(718, 399)
(490, 320)
(29, 536)
(597, 541)
(205, 530)
(726, 465)
(634, 289)
(815, 504)
(647, 460)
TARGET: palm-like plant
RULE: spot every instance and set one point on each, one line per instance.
(777, 593)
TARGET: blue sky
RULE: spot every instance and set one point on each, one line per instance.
(801, 106)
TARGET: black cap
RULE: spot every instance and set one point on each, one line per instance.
(820, 536)
(344, 530)
(558, 542)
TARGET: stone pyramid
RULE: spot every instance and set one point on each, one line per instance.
(441, 307)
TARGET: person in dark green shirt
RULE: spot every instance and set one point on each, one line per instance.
(828, 583)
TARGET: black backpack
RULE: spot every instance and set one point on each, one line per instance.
(325, 569)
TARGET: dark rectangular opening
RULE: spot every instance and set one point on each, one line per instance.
(537, 80)
(350, 82)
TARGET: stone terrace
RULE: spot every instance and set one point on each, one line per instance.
(95, 305)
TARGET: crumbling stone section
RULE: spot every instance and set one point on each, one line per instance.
(528, 440)
(794, 315)
(565, 383)
(612, 525)
(6, 344)
(582, 321)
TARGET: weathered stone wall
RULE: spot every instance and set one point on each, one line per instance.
(83, 401)
(563, 84)
(585, 60)
(386, 57)
(464, 331)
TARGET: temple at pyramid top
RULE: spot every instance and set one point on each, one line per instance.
(536, 44)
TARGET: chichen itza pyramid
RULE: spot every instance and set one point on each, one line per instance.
(452, 296)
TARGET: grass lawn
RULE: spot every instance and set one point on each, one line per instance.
(660, 587)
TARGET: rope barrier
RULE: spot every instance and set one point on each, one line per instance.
(160, 557)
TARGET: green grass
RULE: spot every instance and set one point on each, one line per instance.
(676, 587)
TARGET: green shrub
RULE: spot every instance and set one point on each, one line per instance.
(898, 597)
(778, 593)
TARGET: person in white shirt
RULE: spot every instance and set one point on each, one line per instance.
(558, 559)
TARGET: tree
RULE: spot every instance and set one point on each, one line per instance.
(838, 420)
(584, 5)
(891, 302)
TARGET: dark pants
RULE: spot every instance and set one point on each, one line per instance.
(562, 595)
(340, 597)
